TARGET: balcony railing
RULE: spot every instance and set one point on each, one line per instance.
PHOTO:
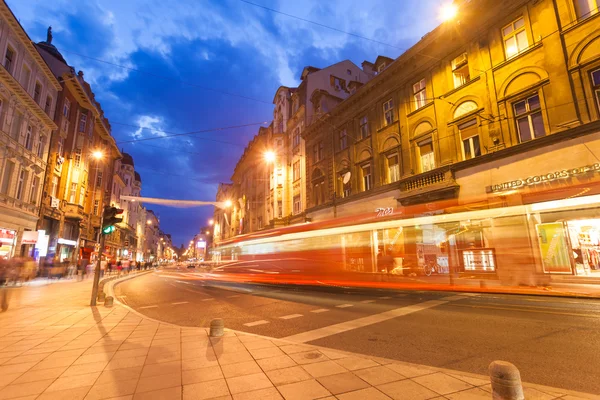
(18, 204)
(427, 179)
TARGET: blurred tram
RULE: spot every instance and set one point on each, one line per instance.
(438, 243)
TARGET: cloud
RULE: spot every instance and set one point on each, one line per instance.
(151, 124)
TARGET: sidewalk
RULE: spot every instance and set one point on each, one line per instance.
(54, 346)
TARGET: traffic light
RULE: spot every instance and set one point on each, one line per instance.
(109, 219)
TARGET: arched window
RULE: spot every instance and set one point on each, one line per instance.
(422, 128)
(464, 108)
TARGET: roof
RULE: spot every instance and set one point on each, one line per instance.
(52, 50)
(308, 70)
(127, 159)
(137, 176)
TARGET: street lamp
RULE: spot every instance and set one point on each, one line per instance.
(97, 154)
(149, 222)
(448, 12)
(211, 222)
(269, 156)
(228, 203)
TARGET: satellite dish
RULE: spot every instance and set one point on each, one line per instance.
(346, 177)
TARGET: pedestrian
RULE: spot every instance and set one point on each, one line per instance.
(119, 267)
(102, 268)
(4, 279)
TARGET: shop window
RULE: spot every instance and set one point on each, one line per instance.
(72, 193)
(515, 37)
(530, 123)
(296, 171)
(54, 186)
(393, 167)
(297, 204)
(364, 127)
(7, 176)
(343, 139)
(460, 70)
(388, 111)
(9, 59)
(21, 184)
(586, 8)
(596, 85)
(470, 139)
(367, 177)
(419, 94)
(427, 157)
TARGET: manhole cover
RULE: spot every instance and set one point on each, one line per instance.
(312, 356)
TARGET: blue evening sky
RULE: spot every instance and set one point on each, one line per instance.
(184, 48)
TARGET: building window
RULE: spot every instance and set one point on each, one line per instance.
(29, 138)
(470, 139)
(318, 151)
(16, 126)
(596, 85)
(460, 70)
(381, 67)
(586, 8)
(34, 189)
(393, 164)
(21, 182)
(345, 185)
(515, 37)
(66, 108)
(60, 148)
(9, 59)
(54, 187)
(99, 179)
(388, 111)
(364, 127)
(343, 139)
(260, 222)
(37, 92)
(82, 122)
(427, 157)
(7, 176)
(41, 146)
(318, 182)
(530, 123)
(279, 209)
(296, 137)
(367, 177)
(297, 204)
(77, 158)
(81, 196)
(96, 207)
(348, 72)
(336, 83)
(48, 106)
(419, 94)
(296, 171)
(25, 77)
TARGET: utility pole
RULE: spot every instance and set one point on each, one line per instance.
(98, 264)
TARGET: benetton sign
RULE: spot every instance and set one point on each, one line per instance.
(544, 178)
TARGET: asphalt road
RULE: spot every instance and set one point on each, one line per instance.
(553, 341)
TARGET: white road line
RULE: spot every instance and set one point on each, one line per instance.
(362, 322)
(234, 296)
(451, 298)
(345, 305)
(207, 299)
(320, 310)
(291, 316)
(181, 302)
(367, 301)
(385, 298)
(255, 323)
(147, 307)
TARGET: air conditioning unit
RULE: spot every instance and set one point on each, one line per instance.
(459, 61)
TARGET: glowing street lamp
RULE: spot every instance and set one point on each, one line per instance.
(448, 12)
(228, 203)
(269, 156)
(97, 154)
(149, 222)
(211, 222)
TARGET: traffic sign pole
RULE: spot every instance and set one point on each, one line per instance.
(98, 263)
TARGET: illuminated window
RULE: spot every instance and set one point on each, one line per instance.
(9, 59)
(470, 139)
(515, 37)
(343, 139)
(388, 111)
(393, 167)
(60, 146)
(419, 94)
(96, 207)
(297, 204)
(460, 70)
(344, 184)
(54, 186)
(596, 84)
(81, 196)
(364, 127)
(381, 67)
(530, 123)
(367, 177)
(77, 158)
(296, 171)
(586, 8)
(427, 157)
(99, 179)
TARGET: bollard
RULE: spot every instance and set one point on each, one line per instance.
(101, 296)
(216, 327)
(506, 381)
(108, 301)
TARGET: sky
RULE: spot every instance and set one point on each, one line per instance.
(197, 65)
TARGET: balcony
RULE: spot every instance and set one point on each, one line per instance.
(74, 211)
(25, 156)
(19, 205)
(438, 184)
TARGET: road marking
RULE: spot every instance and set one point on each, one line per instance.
(123, 296)
(530, 310)
(181, 302)
(255, 323)
(320, 310)
(345, 305)
(452, 298)
(362, 322)
(291, 316)
(147, 307)
(207, 299)
(234, 296)
(367, 301)
(385, 298)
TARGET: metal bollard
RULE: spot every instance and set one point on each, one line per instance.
(506, 381)
(108, 302)
(216, 327)
(101, 296)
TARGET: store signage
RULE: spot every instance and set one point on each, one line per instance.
(384, 211)
(201, 244)
(29, 237)
(67, 242)
(54, 202)
(544, 178)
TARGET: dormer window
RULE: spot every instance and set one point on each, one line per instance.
(381, 67)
